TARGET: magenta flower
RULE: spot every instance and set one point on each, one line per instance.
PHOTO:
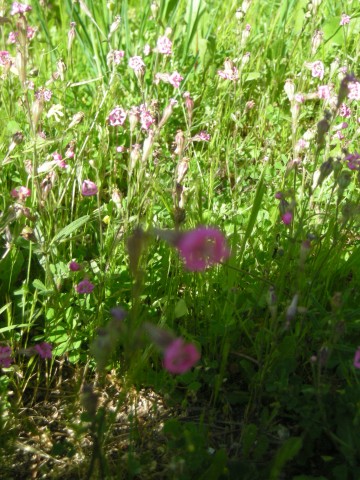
(357, 358)
(74, 266)
(5, 357)
(44, 350)
(353, 161)
(146, 119)
(345, 19)
(13, 36)
(137, 64)
(59, 160)
(89, 188)
(164, 45)
(201, 137)
(344, 111)
(84, 286)
(179, 357)
(202, 247)
(287, 218)
(117, 117)
(21, 193)
(30, 32)
(19, 8)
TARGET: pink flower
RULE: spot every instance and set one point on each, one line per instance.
(354, 90)
(5, 357)
(43, 94)
(30, 32)
(230, 72)
(118, 55)
(147, 50)
(345, 19)
(287, 218)
(175, 79)
(117, 117)
(21, 193)
(89, 188)
(202, 247)
(201, 137)
(44, 350)
(5, 58)
(317, 69)
(179, 357)
(84, 286)
(59, 160)
(324, 92)
(136, 63)
(344, 111)
(164, 45)
(146, 119)
(74, 266)
(357, 358)
(13, 36)
(299, 98)
(19, 8)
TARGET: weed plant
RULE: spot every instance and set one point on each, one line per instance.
(179, 228)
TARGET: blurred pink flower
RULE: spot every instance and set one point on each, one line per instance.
(201, 137)
(136, 63)
(317, 69)
(20, 192)
(324, 92)
(175, 79)
(230, 72)
(30, 32)
(179, 357)
(5, 357)
(147, 50)
(117, 117)
(89, 188)
(13, 36)
(202, 247)
(344, 111)
(354, 90)
(353, 161)
(44, 350)
(287, 218)
(19, 8)
(43, 94)
(164, 45)
(118, 55)
(74, 266)
(84, 286)
(357, 358)
(59, 160)
(5, 57)
(146, 119)
(345, 19)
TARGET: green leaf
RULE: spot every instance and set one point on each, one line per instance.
(288, 450)
(181, 309)
(66, 232)
(217, 467)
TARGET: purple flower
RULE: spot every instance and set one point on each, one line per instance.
(117, 117)
(357, 358)
(287, 218)
(202, 247)
(74, 266)
(89, 188)
(179, 357)
(84, 286)
(5, 357)
(21, 193)
(44, 350)
(353, 161)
